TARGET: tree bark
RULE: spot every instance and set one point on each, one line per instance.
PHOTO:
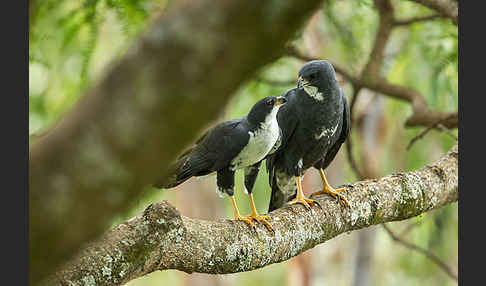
(126, 129)
(447, 8)
(161, 238)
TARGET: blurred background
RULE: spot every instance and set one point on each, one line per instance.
(73, 42)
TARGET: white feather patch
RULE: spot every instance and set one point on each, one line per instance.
(328, 132)
(222, 192)
(300, 163)
(312, 92)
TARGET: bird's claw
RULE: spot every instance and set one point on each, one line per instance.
(262, 218)
(335, 193)
(247, 220)
(304, 201)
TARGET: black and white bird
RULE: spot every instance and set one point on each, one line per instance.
(229, 146)
(314, 124)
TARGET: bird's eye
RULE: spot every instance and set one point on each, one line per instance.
(312, 76)
(269, 102)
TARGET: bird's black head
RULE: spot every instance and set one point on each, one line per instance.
(265, 109)
(318, 78)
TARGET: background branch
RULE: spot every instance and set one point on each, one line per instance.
(424, 251)
(426, 130)
(162, 239)
(422, 115)
(371, 78)
(448, 8)
(414, 20)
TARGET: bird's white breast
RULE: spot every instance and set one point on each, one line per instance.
(260, 143)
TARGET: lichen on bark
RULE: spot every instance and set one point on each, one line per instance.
(161, 238)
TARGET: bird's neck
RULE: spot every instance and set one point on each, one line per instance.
(266, 120)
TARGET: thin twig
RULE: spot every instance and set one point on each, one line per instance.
(409, 227)
(414, 20)
(425, 252)
(432, 126)
(446, 131)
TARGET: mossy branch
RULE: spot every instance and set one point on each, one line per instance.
(161, 238)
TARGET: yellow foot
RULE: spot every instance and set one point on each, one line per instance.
(260, 219)
(245, 219)
(335, 193)
(304, 201)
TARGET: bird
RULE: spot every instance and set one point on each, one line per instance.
(314, 124)
(234, 144)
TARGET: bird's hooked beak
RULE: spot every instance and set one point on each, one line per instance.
(301, 82)
(280, 100)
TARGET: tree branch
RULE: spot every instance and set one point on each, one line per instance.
(424, 251)
(161, 238)
(425, 131)
(126, 129)
(414, 20)
(372, 70)
(372, 79)
(447, 8)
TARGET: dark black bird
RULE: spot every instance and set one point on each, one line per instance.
(228, 146)
(314, 123)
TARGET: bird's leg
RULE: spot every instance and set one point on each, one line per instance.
(327, 189)
(251, 173)
(259, 218)
(238, 216)
(226, 181)
(300, 198)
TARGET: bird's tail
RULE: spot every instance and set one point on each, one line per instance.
(279, 197)
(283, 186)
(276, 199)
(179, 172)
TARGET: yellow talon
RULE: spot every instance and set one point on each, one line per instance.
(245, 219)
(327, 189)
(300, 198)
(255, 216)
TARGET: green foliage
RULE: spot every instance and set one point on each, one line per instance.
(73, 42)
(65, 37)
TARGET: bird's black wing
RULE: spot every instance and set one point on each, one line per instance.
(214, 150)
(346, 127)
(346, 119)
(218, 147)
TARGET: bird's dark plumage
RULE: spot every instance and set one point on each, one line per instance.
(210, 153)
(314, 124)
(228, 146)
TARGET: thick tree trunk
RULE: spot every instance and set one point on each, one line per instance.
(126, 129)
(161, 238)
